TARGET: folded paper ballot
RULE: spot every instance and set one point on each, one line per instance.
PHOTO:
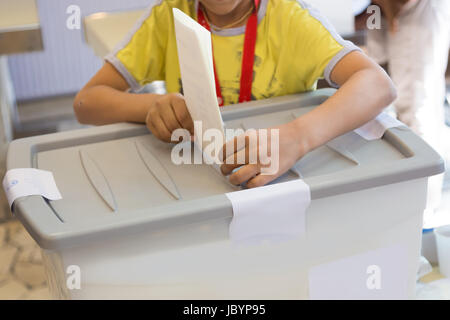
(197, 75)
(375, 129)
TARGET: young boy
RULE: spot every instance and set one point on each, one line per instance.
(294, 47)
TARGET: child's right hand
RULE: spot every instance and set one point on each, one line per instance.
(166, 114)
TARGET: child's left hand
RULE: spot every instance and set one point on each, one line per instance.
(267, 156)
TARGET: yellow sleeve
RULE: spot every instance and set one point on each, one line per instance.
(317, 47)
(140, 57)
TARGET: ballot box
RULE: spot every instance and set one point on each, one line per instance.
(132, 224)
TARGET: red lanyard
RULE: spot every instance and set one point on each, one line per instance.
(248, 56)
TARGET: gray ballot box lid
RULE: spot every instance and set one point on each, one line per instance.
(119, 179)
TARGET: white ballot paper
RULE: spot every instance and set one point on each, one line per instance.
(275, 212)
(24, 182)
(378, 274)
(376, 128)
(197, 75)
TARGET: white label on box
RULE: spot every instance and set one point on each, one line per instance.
(378, 274)
(376, 128)
(270, 213)
(24, 182)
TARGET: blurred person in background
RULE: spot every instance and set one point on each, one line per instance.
(414, 42)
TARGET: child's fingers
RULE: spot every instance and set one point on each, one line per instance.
(260, 180)
(150, 125)
(163, 133)
(244, 174)
(152, 129)
(226, 169)
(169, 118)
(181, 112)
(236, 160)
(233, 146)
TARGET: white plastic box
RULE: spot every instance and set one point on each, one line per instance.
(131, 238)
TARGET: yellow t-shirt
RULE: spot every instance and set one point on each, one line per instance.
(295, 47)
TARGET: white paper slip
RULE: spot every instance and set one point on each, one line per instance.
(24, 182)
(197, 74)
(378, 274)
(376, 128)
(274, 212)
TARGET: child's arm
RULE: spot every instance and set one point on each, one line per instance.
(365, 91)
(104, 100)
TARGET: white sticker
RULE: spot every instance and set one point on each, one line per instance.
(376, 128)
(24, 182)
(270, 213)
(378, 274)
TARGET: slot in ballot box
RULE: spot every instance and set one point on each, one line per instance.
(132, 224)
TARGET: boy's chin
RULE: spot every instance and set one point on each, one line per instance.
(220, 7)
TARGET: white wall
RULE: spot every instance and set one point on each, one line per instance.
(67, 62)
(338, 12)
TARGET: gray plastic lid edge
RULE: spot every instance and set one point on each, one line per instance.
(44, 226)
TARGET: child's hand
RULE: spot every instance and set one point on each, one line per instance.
(283, 154)
(168, 113)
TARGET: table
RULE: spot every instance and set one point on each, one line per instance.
(20, 32)
(103, 31)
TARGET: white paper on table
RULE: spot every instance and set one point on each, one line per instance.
(24, 182)
(378, 274)
(376, 128)
(197, 73)
(274, 212)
